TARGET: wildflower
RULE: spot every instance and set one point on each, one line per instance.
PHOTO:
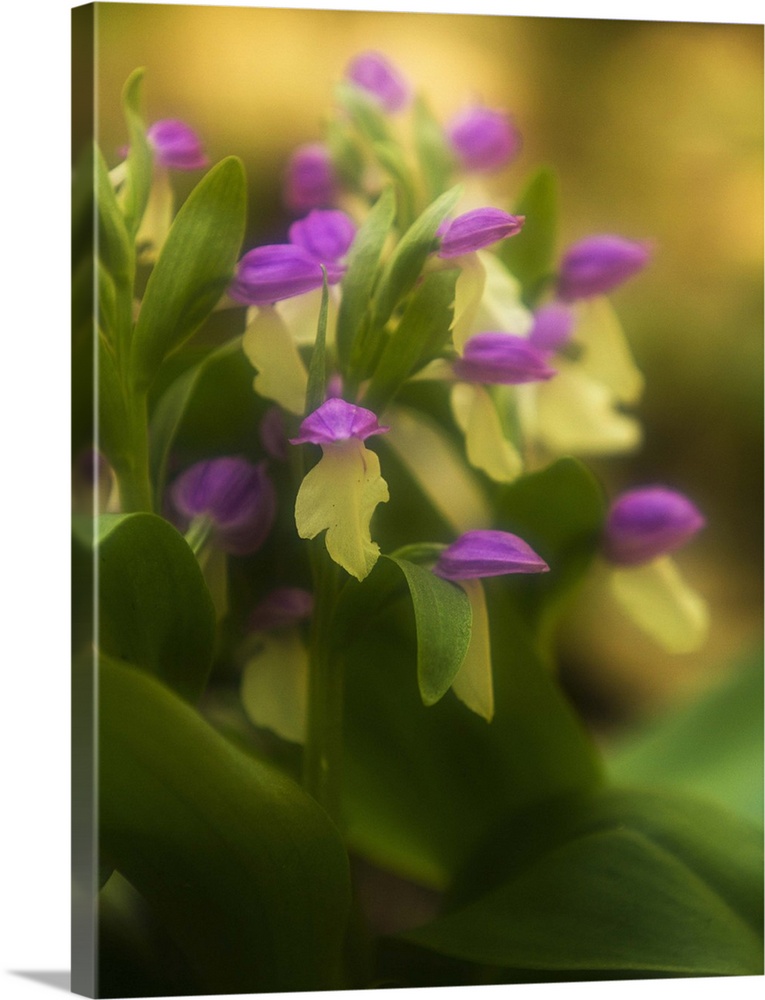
(375, 75)
(278, 271)
(471, 558)
(483, 139)
(327, 236)
(474, 230)
(642, 528)
(553, 327)
(176, 145)
(310, 178)
(598, 264)
(503, 359)
(341, 492)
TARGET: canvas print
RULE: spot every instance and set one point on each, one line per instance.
(417, 500)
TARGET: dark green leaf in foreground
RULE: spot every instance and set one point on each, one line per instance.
(244, 871)
(194, 268)
(139, 160)
(530, 255)
(154, 607)
(639, 883)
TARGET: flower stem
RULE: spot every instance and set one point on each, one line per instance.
(133, 472)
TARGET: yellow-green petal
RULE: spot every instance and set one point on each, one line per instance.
(340, 494)
(269, 346)
(485, 444)
(661, 603)
(606, 355)
(275, 685)
(157, 217)
(473, 683)
(501, 307)
(468, 291)
(301, 315)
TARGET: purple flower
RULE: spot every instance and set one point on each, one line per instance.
(478, 554)
(237, 496)
(477, 229)
(483, 139)
(327, 236)
(273, 435)
(336, 420)
(649, 522)
(372, 72)
(310, 181)
(598, 264)
(176, 145)
(502, 359)
(275, 272)
(284, 607)
(552, 327)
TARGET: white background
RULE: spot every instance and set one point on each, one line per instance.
(34, 374)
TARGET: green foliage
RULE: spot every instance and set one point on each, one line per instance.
(317, 371)
(154, 608)
(436, 161)
(135, 192)
(530, 255)
(242, 868)
(194, 268)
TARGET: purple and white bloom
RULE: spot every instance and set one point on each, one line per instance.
(502, 359)
(649, 522)
(598, 264)
(282, 608)
(483, 139)
(341, 492)
(274, 272)
(642, 528)
(327, 236)
(553, 327)
(379, 78)
(476, 229)
(234, 498)
(310, 180)
(176, 145)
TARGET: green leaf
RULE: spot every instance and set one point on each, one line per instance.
(530, 255)
(639, 883)
(112, 409)
(391, 158)
(363, 112)
(244, 871)
(420, 335)
(317, 371)
(362, 273)
(405, 264)
(712, 747)
(436, 160)
(154, 607)
(442, 618)
(169, 411)
(135, 193)
(194, 268)
(117, 256)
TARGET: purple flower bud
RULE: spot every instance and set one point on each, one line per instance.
(336, 420)
(310, 181)
(235, 495)
(649, 522)
(483, 139)
(553, 326)
(334, 386)
(479, 554)
(598, 264)
(477, 229)
(275, 272)
(176, 145)
(273, 435)
(284, 607)
(502, 359)
(372, 72)
(326, 235)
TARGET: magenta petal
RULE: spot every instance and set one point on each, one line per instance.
(275, 272)
(553, 326)
(310, 179)
(477, 229)
(176, 145)
(598, 264)
(325, 234)
(479, 554)
(236, 495)
(502, 359)
(372, 72)
(282, 608)
(483, 139)
(649, 522)
(336, 420)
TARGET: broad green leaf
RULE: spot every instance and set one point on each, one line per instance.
(643, 883)
(530, 254)
(362, 273)
(363, 111)
(442, 618)
(244, 871)
(712, 747)
(194, 268)
(391, 158)
(169, 411)
(317, 371)
(135, 193)
(154, 607)
(421, 333)
(406, 262)
(436, 161)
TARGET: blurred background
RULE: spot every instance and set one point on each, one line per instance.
(656, 131)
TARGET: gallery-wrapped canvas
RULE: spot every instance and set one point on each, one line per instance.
(416, 478)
